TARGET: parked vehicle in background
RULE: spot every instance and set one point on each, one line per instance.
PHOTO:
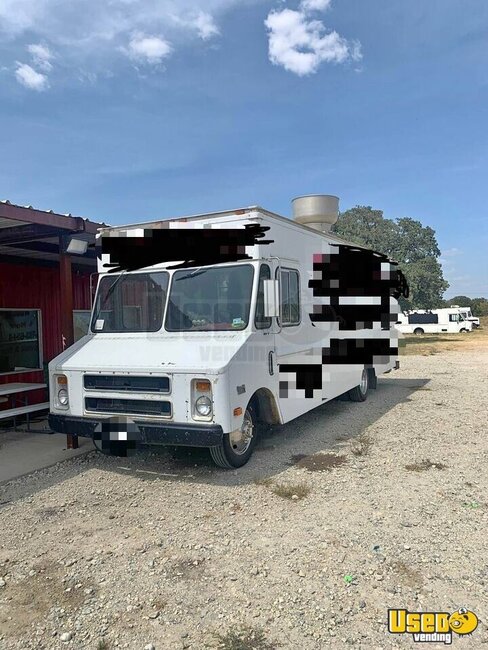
(468, 315)
(202, 329)
(434, 321)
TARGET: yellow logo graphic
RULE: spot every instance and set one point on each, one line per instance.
(432, 627)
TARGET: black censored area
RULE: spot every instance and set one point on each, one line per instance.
(356, 273)
(358, 351)
(195, 247)
(117, 437)
(308, 378)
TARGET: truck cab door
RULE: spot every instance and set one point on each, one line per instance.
(265, 323)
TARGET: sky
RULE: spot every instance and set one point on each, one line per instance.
(130, 110)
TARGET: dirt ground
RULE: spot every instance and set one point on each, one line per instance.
(342, 514)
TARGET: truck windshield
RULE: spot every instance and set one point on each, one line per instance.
(130, 303)
(210, 299)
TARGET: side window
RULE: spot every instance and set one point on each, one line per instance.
(260, 320)
(290, 297)
(454, 318)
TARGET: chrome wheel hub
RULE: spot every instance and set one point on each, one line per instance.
(363, 386)
(240, 439)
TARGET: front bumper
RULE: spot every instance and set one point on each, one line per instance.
(184, 435)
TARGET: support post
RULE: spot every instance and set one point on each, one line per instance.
(66, 296)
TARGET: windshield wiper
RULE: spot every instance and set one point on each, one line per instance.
(193, 274)
(110, 291)
(113, 286)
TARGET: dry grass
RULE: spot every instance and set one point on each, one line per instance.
(317, 462)
(292, 491)
(247, 638)
(408, 575)
(362, 445)
(430, 344)
(424, 465)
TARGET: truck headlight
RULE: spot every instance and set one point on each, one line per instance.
(201, 398)
(61, 391)
(203, 406)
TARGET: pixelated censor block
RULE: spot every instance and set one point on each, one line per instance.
(354, 290)
(300, 380)
(118, 436)
(190, 247)
(355, 287)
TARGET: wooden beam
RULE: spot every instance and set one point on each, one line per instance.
(65, 222)
(67, 330)
(31, 232)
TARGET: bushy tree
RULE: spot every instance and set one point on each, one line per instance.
(405, 241)
(479, 306)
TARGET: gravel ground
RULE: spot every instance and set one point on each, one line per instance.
(341, 514)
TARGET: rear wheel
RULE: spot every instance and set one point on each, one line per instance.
(418, 331)
(237, 447)
(360, 392)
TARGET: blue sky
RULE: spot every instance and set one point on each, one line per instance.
(127, 111)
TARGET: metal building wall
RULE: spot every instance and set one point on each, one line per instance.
(33, 287)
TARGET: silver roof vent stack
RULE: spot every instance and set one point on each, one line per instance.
(319, 211)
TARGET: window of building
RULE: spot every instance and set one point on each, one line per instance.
(20, 340)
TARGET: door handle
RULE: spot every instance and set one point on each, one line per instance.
(270, 363)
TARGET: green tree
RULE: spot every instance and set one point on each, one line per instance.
(405, 241)
(479, 306)
(462, 301)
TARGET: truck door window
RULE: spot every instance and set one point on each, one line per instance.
(454, 318)
(290, 297)
(260, 320)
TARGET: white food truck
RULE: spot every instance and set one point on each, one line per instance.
(204, 327)
(449, 320)
(468, 315)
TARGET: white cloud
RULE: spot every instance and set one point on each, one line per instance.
(149, 49)
(30, 78)
(300, 44)
(315, 5)
(93, 35)
(41, 56)
(205, 26)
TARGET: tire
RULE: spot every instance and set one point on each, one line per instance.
(463, 330)
(373, 379)
(418, 331)
(360, 392)
(234, 452)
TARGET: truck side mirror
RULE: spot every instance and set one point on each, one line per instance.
(271, 298)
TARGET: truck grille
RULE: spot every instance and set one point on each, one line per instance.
(119, 383)
(128, 406)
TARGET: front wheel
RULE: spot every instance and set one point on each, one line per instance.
(360, 392)
(464, 330)
(237, 447)
(418, 331)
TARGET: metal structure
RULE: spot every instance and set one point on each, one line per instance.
(318, 211)
(38, 272)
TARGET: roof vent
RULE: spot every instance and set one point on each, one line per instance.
(318, 211)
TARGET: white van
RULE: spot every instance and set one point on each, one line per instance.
(204, 327)
(468, 315)
(434, 321)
